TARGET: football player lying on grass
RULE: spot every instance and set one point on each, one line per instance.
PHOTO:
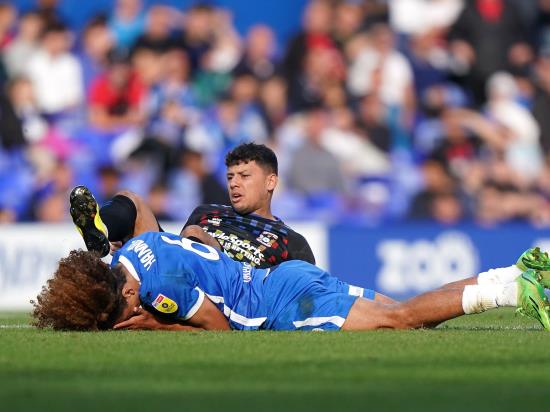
(188, 285)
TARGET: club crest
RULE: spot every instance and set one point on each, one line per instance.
(267, 238)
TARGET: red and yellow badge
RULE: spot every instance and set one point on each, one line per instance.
(164, 304)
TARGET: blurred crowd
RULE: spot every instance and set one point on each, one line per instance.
(378, 110)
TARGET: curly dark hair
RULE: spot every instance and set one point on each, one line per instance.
(83, 294)
(248, 152)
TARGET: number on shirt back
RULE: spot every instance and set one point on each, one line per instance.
(207, 252)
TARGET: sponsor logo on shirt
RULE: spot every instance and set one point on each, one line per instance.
(215, 221)
(164, 304)
(247, 273)
(239, 249)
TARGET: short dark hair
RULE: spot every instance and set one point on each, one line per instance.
(54, 28)
(248, 152)
(83, 294)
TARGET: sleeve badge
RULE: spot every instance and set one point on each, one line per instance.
(164, 304)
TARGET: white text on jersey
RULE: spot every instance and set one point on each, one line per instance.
(144, 253)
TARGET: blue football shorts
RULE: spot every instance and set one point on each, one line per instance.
(301, 296)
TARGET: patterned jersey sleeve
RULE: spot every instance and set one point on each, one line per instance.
(299, 249)
(195, 217)
(176, 299)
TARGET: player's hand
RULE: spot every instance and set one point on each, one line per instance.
(142, 320)
(115, 246)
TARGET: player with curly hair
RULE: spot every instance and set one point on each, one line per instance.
(177, 284)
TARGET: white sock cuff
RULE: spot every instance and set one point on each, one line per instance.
(498, 276)
(509, 295)
(479, 298)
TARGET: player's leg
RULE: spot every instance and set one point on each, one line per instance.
(532, 258)
(383, 299)
(144, 220)
(432, 308)
(428, 309)
(124, 216)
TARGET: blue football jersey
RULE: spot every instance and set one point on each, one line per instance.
(176, 273)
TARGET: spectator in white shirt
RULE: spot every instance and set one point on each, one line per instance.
(24, 45)
(378, 68)
(55, 73)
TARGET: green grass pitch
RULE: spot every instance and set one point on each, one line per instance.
(491, 362)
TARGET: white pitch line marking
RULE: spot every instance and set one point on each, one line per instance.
(15, 326)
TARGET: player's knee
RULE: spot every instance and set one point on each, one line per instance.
(368, 315)
(400, 317)
(135, 198)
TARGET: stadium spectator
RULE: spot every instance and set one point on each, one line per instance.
(273, 105)
(158, 34)
(323, 69)
(8, 15)
(541, 103)
(542, 25)
(11, 127)
(21, 95)
(127, 22)
(378, 68)
(227, 126)
(24, 44)
(315, 33)
(245, 89)
(147, 66)
(158, 199)
(522, 133)
(116, 96)
(347, 24)
(219, 60)
(56, 74)
(430, 61)
(461, 143)
(358, 157)
(259, 55)
(438, 199)
(191, 184)
(314, 171)
(172, 105)
(97, 42)
(489, 36)
(227, 48)
(197, 36)
(49, 12)
(372, 122)
(109, 183)
(47, 205)
(374, 11)
(416, 17)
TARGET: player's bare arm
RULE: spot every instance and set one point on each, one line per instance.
(209, 317)
(195, 232)
(144, 320)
